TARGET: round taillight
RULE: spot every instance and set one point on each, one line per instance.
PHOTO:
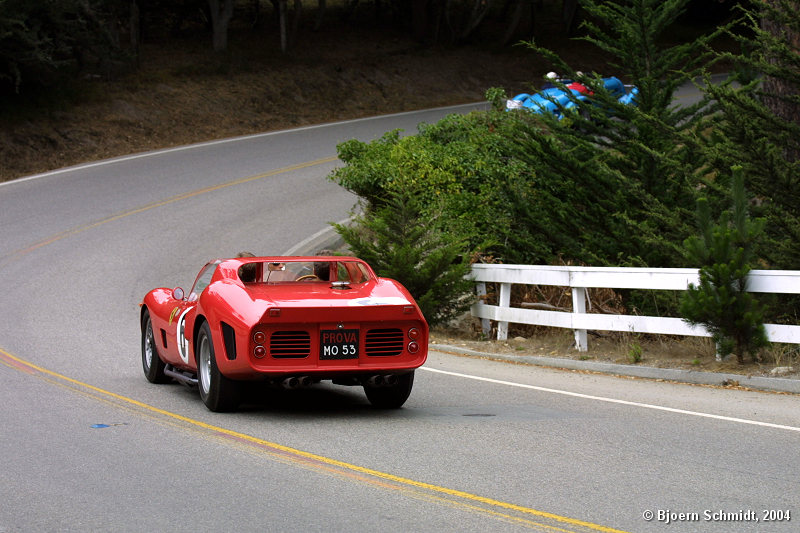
(259, 337)
(413, 334)
(260, 351)
(413, 347)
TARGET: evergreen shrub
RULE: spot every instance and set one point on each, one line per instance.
(725, 251)
(402, 243)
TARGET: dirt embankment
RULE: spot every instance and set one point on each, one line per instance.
(182, 94)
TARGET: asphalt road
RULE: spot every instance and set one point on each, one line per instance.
(89, 445)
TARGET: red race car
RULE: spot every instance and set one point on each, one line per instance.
(289, 322)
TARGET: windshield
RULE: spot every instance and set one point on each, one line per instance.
(202, 281)
(305, 271)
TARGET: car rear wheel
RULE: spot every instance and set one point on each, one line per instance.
(391, 396)
(217, 392)
(152, 364)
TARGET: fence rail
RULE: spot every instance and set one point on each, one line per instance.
(579, 279)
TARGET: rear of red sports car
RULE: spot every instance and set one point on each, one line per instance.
(293, 322)
(329, 331)
(332, 340)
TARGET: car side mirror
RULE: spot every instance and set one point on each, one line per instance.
(177, 293)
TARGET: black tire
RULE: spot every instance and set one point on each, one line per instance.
(392, 397)
(152, 364)
(220, 394)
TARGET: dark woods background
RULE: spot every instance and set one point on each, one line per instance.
(47, 43)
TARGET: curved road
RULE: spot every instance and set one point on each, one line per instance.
(89, 445)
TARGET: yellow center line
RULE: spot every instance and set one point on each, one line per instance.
(462, 495)
(161, 203)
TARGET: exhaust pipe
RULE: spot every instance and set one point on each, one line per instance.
(388, 380)
(375, 381)
(305, 381)
(290, 383)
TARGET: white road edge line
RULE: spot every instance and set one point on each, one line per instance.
(614, 400)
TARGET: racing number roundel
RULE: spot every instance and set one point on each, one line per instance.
(183, 343)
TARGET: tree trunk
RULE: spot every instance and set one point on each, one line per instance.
(221, 14)
(419, 18)
(320, 14)
(515, 19)
(479, 10)
(134, 27)
(779, 90)
(282, 23)
(569, 8)
(298, 10)
(255, 10)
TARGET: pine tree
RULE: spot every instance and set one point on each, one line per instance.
(725, 251)
(399, 242)
(634, 162)
(758, 126)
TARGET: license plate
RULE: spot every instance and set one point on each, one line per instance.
(338, 344)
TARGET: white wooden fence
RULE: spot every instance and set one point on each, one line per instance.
(581, 278)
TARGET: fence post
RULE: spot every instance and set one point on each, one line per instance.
(505, 301)
(486, 324)
(579, 306)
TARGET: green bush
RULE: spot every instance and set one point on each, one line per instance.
(459, 169)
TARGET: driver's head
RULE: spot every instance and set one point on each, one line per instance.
(247, 273)
(322, 270)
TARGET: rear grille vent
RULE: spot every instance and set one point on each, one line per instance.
(288, 344)
(383, 342)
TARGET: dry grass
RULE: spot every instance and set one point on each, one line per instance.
(662, 351)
